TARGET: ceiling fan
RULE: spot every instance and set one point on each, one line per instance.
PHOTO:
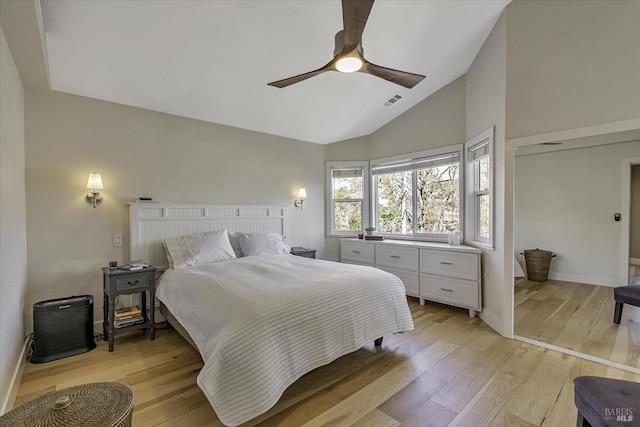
(348, 53)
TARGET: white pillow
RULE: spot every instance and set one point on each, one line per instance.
(166, 252)
(198, 249)
(262, 244)
(235, 245)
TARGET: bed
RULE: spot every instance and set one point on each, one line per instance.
(262, 321)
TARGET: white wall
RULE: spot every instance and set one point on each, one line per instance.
(485, 107)
(565, 202)
(13, 234)
(144, 153)
(571, 64)
(437, 121)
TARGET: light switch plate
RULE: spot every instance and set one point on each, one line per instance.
(117, 240)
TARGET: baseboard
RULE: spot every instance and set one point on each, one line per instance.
(634, 261)
(587, 279)
(10, 398)
(574, 353)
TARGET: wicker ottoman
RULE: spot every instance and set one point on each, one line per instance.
(86, 405)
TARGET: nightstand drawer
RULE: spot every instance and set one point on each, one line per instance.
(138, 282)
(395, 257)
(357, 252)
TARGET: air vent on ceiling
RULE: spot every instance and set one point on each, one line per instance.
(392, 101)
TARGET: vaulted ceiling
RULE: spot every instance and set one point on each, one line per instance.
(212, 60)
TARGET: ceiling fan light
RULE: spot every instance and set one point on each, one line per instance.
(349, 64)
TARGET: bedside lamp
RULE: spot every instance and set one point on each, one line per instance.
(302, 194)
(94, 183)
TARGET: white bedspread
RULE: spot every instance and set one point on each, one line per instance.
(262, 322)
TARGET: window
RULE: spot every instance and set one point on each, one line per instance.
(479, 218)
(418, 195)
(348, 189)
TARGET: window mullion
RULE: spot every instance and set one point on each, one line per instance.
(348, 200)
(414, 202)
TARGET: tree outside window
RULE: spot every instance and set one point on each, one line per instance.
(438, 192)
(347, 203)
(419, 195)
(347, 189)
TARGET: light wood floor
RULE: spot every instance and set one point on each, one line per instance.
(578, 317)
(451, 370)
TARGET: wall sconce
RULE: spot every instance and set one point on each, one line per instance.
(302, 194)
(94, 184)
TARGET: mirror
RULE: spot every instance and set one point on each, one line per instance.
(567, 194)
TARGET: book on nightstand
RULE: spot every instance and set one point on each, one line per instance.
(128, 322)
(134, 265)
(127, 316)
(374, 237)
(121, 313)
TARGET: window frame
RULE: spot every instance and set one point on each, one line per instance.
(364, 208)
(415, 235)
(472, 193)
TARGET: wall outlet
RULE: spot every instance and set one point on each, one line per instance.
(117, 240)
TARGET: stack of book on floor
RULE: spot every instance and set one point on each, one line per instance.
(127, 316)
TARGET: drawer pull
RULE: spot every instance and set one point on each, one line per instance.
(446, 263)
(356, 252)
(395, 256)
(132, 283)
(446, 290)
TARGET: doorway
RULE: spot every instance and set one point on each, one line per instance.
(618, 273)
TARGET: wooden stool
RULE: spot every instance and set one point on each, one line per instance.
(86, 405)
(605, 402)
(625, 295)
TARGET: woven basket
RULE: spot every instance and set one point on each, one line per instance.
(87, 405)
(538, 262)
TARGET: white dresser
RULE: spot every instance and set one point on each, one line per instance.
(430, 271)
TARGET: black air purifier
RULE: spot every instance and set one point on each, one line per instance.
(62, 327)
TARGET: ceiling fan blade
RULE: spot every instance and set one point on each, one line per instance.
(402, 78)
(300, 77)
(355, 14)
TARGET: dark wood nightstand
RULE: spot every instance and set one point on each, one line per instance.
(122, 282)
(309, 253)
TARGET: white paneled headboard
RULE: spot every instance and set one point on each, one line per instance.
(150, 223)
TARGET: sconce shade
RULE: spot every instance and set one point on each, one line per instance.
(95, 181)
(302, 194)
(94, 184)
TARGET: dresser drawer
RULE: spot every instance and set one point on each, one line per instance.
(410, 279)
(460, 293)
(357, 252)
(133, 282)
(449, 263)
(397, 257)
